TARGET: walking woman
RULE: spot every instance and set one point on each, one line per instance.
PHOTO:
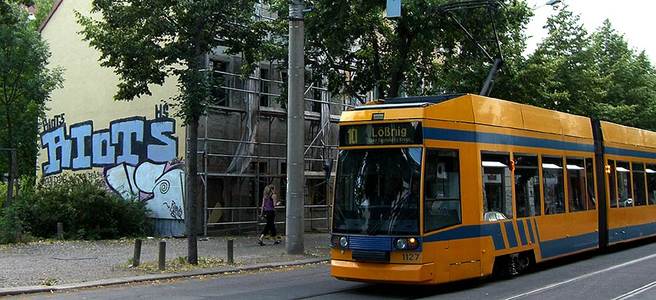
(268, 211)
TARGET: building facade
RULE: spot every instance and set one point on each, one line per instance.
(139, 147)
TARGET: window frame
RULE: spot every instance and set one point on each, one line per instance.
(644, 182)
(612, 183)
(537, 193)
(264, 76)
(563, 175)
(221, 65)
(591, 182)
(512, 184)
(424, 207)
(629, 183)
(651, 167)
(584, 193)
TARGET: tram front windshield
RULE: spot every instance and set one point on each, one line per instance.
(377, 192)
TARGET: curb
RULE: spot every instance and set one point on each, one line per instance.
(152, 277)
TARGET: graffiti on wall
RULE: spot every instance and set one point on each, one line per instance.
(130, 140)
(161, 185)
(139, 157)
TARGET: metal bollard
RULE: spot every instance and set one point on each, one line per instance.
(162, 255)
(231, 257)
(60, 230)
(136, 258)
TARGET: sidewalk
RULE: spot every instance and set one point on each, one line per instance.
(56, 265)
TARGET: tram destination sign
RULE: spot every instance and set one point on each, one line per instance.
(380, 134)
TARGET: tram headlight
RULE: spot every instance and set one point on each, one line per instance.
(401, 244)
(343, 242)
(406, 243)
(338, 241)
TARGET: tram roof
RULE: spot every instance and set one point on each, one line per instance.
(475, 109)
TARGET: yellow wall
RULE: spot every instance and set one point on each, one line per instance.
(88, 88)
(87, 96)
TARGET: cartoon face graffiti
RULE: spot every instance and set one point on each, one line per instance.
(138, 157)
(160, 185)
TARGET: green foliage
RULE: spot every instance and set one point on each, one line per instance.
(561, 73)
(595, 75)
(423, 52)
(147, 41)
(3, 193)
(84, 206)
(11, 226)
(43, 8)
(25, 86)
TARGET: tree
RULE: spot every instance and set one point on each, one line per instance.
(423, 52)
(630, 92)
(43, 8)
(595, 75)
(146, 41)
(25, 86)
(562, 74)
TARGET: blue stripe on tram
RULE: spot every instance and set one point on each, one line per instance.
(471, 231)
(522, 234)
(502, 139)
(510, 233)
(530, 230)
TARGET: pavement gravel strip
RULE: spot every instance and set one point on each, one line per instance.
(115, 281)
(62, 265)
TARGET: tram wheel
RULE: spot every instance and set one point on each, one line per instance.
(511, 265)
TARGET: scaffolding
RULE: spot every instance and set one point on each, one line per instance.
(242, 145)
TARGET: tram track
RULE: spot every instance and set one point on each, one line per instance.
(580, 277)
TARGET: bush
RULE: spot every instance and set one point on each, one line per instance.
(3, 193)
(10, 226)
(83, 204)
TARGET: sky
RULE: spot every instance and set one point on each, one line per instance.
(636, 19)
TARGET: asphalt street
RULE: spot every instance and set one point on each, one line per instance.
(624, 273)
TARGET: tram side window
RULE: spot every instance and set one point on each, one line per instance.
(578, 198)
(612, 183)
(651, 183)
(638, 170)
(589, 178)
(554, 190)
(527, 185)
(624, 194)
(497, 185)
(441, 189)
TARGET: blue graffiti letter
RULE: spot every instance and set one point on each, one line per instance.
(59, 151)
(125, 131)
(101, 144)
(166, 148)
(80, 133)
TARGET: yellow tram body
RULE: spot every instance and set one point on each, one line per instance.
(474, 127)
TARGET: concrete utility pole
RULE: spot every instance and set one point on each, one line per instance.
(295, 130)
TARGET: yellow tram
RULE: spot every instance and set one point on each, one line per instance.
(437, 189)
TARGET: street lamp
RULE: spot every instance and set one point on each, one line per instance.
(552, 3)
